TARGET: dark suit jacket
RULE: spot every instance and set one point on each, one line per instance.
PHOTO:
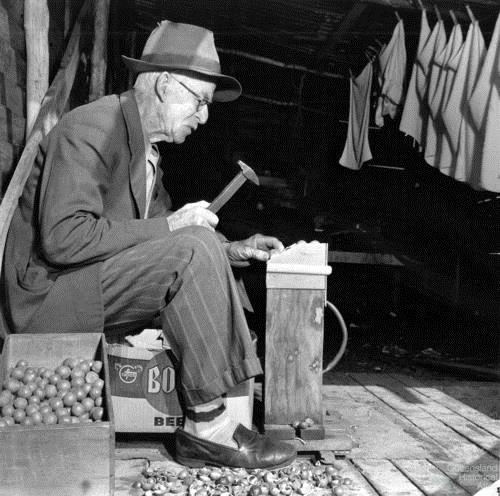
(83, 202)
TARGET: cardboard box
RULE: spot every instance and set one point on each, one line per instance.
(143, 390)
(46, 460)
(144, 395)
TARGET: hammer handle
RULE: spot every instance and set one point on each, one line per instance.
(227, 193)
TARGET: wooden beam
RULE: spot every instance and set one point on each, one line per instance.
(351, 257)
(345, 26)
(99, 50)
(36, 26)
(52, 107)
(266, 60)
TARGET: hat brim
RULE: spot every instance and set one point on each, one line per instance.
(228, 88)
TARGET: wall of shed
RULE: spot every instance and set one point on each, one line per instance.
(12, 87)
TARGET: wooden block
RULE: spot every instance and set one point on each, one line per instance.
(77, 459)
(300, 266)
(313, 432)
(294, 356)
(279, 431)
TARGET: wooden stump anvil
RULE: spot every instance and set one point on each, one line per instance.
(296, 298)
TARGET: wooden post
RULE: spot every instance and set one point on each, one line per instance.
(296, 296)
(36, 25)
(99, 50)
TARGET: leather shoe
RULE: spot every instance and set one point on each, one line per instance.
(254, 451)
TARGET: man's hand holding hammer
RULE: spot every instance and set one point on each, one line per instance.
(202, 213)
(256, 247)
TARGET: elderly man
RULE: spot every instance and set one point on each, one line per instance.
(93, 244)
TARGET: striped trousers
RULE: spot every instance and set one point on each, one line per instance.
(186, 280)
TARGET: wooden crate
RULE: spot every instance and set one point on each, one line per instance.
(46, 460)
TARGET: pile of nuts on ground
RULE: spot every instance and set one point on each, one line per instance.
(300, 478)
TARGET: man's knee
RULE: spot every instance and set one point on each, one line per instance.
(200, 240)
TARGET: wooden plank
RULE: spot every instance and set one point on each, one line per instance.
(36, 28)
(386, 478)
(469, 413)
(469, 476)
(456, 446)
(373, 422)
(351, 257)
(465, 428)
(360, 486)
(99, 50)
(428, 478)
(294, 354)
(52, 107)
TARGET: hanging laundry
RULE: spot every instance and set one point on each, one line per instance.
(392, 75)
(484, 108)
(413, 110)
(357, 149)
(442, 51)
(433, 46)
(456, 117)
(443, 157)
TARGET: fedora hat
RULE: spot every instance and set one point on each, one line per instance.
(173, 45)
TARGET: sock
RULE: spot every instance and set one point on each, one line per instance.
(219, 430)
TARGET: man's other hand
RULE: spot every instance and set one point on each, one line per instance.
(193, 214)
(256, 247)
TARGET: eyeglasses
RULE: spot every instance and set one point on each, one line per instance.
(201, 101)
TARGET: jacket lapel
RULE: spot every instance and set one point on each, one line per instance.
(137, 167)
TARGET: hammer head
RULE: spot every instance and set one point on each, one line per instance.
(248, 172)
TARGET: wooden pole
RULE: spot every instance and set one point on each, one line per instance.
(36, 26)
(266, 60)
(99, 50)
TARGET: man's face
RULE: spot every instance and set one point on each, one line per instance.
(184, 107)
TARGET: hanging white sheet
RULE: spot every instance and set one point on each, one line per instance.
(392, 62)
(434, 46)
(413, 110)
(485, 112)
(444, 157)
(357, 149)
(437, 86)
(456, 117)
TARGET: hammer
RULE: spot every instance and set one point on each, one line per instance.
(224, 196)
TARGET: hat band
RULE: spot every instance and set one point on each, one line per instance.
(182, 61)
